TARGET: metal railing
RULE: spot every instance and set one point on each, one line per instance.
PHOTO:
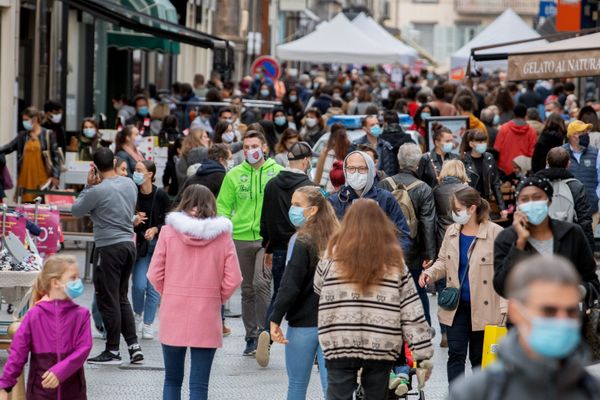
(523, 7)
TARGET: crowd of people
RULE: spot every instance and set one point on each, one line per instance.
(346, 254)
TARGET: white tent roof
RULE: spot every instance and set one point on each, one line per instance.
(579, 43)
(407, 55)
(506, 28)
(338, 41)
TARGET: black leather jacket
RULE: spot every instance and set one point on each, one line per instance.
(18, 145)
(491, 178)
(422, 198)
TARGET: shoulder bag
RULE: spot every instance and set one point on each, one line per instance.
(449, 298)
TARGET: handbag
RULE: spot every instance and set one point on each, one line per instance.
(492, 335)
(449, 298)
(591, 322)
(7, 182)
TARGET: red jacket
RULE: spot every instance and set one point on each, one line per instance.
(514, 140)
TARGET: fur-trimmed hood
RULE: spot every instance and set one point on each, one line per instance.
(196, 231)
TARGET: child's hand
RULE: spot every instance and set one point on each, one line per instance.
(3, 394)
(50, 381)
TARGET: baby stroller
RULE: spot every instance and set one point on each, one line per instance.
(402, 375)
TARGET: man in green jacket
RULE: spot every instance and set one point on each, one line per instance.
(241, 200)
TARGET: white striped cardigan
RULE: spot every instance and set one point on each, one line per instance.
(373, 325)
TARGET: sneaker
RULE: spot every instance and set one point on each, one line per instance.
(250, 347)
(263, 349)
(226, 330)
(135, 353)
(106, 358)
(147, 332)
(402, 387)
(138, 322)
(444, 341)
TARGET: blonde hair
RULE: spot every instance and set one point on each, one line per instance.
(192, 140)
(160, 111)
(454, 168)
(54, 267)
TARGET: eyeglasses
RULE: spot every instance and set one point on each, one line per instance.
(360, 170)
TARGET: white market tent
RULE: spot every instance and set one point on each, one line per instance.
(407, 55)
(507, 27)
(338, 41)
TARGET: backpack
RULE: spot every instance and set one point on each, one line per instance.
(400, 192)
(562, 206)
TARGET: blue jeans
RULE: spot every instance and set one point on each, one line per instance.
(300, 355)
(422, 292)
(277, 270)
(145, 297)
(174, 358)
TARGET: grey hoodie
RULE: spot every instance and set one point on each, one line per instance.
(527, 378)
(370, 173)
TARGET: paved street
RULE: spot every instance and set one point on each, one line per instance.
(233, 376)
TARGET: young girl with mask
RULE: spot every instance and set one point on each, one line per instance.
(466, 261)
(315, 222)
(89, 139)
(57, 333)
(152, 206)
(534, 232)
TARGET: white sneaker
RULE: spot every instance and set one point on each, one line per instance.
(147, 332)
(139, 322)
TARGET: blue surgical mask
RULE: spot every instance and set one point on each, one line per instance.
(496, 120)
(74, 289)
(293, 98)
(296, 215)
(447, 147)
(138, 178)
(264, 92)
(536, 211)
(27, 125)
(425, 115)
(89, 132)
(481, 148)
(143, 111)
(554, 338)
(376, 130)
(280, 121)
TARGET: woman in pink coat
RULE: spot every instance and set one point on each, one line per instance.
(195, 269)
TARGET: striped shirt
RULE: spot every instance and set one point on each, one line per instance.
(370, 325)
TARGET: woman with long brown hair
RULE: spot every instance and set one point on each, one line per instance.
(553, 135)
(316, 222)
(286, 141)
(466, 260)
(337, 148)
(368, 304)
(194, 148)
(126, 147)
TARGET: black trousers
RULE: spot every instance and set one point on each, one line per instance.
(461, 338)
(111, 283)
(342, 379)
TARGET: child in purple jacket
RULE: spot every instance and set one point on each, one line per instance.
(57, 333)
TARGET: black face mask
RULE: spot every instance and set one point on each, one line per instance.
(584, 140)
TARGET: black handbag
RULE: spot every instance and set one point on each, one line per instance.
(591, 322)
(449, 298)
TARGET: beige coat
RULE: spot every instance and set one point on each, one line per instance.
(486, 305)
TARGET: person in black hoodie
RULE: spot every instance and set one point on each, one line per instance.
(211, 171)
(280, 121)
(276, 229)
(534, 232)
(553, 135)
(558, 161)
(393, 132)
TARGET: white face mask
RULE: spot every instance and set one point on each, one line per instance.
(461, 218)
(56, 118)
(357, 181)
(311, 122)
(228, 137)
(230, 164)
(138, 140)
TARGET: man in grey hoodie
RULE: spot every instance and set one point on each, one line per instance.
(542, 356)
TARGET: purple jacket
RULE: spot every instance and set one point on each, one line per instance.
(58, 335)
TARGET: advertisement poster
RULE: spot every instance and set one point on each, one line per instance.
(48, 221)
(457, 125)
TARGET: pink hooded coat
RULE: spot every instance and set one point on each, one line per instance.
(195, 269)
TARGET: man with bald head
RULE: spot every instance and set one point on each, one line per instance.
(573, 208)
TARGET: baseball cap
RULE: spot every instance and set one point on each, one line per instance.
(299, 151)
(576, 127)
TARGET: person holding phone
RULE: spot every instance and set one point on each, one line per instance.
(534, 232)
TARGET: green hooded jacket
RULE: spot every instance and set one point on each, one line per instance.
(241, 197)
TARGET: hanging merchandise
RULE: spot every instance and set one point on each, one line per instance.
(48, 220)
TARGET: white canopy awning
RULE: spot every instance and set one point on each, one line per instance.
(507, 27)
(406, 54)
(337, 41)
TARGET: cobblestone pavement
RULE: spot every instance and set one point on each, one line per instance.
(233, 376)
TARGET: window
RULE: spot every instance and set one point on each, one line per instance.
(465, 33)
(424, 35)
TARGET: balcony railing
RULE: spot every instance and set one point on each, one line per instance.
(479, 7)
